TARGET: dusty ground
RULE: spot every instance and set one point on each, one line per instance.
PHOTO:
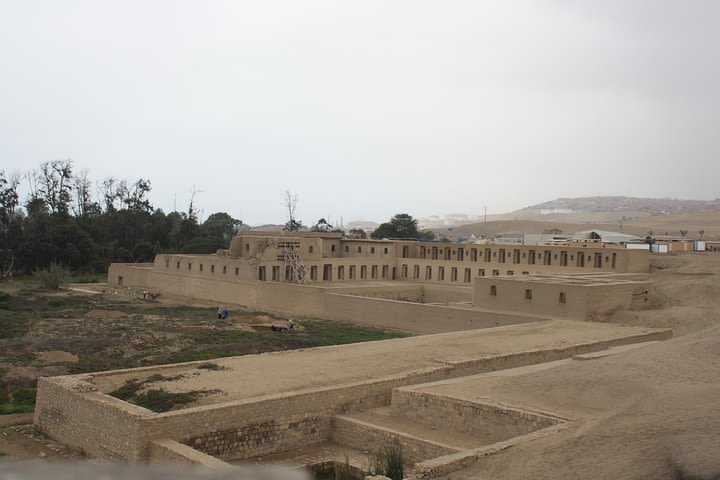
(256, 375)
(649, 413)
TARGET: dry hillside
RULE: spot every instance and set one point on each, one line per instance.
(709, 222)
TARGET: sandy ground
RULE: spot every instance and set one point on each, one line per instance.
(15, 446)
(645, 413)
(256, 375)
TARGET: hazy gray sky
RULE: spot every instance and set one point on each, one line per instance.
(367, 108)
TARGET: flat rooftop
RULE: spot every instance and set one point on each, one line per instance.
(264, 374)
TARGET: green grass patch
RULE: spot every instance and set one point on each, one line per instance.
(317, 333)
(13, 324)
(5, 299)
(25, 396)
(128, 390)
(17, 401)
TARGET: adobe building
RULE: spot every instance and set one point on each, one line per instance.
(406, 284)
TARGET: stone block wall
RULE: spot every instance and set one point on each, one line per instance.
(362, 436)
(170, 452)
(492, 422)
(262, 438)
(70, 410)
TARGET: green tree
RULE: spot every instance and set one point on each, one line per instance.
(357, 233)
(401, 225)
(322, 226)
(221, 225)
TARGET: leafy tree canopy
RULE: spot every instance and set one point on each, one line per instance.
(401, 225)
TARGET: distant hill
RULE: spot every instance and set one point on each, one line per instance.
(631, 205)
(708, 222)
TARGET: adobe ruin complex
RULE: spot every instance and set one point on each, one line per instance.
(485, 313)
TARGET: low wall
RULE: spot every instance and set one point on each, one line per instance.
(445, 294)
(475, 418)
(326, 302)
(403, 292)
(413, 317)
(70, 410)
(170, 452)
(363, 436)
(129, 274)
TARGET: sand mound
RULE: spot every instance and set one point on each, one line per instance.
(104, 314)
(57, 356)
(262, 320)
(684, 294)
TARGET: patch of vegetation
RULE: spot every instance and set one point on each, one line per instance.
(163, 401)
(128, 390)
(13, 323)
(5, 299)
(389, 461)
(15, 401)
(336, 471)
(212, 366)
(54, 277)
(25, 396)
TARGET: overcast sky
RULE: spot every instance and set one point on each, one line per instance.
(367, 108)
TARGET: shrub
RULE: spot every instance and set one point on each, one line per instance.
(211, 366)
(164, 401)
(389, 461)
(55, 277)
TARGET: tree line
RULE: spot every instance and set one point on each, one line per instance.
(86, 224)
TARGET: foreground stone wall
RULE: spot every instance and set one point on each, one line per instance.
(170, 452)
(70, 410)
